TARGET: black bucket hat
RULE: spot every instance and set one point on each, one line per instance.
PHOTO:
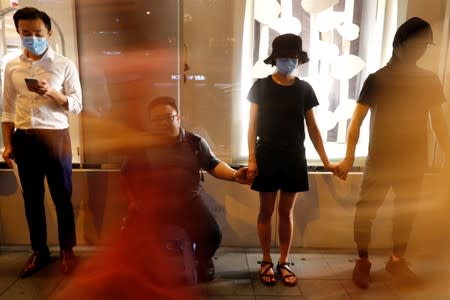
(287, 45)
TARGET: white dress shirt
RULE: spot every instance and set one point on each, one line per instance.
(28, 110)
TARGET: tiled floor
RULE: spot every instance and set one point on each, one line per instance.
(322, 274)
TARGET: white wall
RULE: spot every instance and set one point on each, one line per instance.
(323, 216)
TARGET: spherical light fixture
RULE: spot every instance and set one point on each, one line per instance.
(317, 6)
(266, 11)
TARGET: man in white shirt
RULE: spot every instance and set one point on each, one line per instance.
(40, 88)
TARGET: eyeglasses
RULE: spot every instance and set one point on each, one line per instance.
(168, 118)
(420, 45)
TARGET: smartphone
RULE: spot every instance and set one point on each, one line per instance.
(31, 82)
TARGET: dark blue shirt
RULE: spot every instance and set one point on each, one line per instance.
(170, 172)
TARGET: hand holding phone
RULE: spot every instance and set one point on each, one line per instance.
(37, 86)
(31, 82)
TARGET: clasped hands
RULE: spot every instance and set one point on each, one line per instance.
(342, 168)
(241, 176)
(246, 175)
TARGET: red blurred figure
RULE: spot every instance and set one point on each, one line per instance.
(154, 258)
(163, 183)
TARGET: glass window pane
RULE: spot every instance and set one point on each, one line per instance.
(227, 42)
(129, 55)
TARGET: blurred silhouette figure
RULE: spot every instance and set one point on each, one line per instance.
(41, 87)
(402, 97)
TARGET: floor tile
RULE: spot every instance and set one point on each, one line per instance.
(236, 297)
(297, 297)
(322, 274)
(316, 289)
(376, 291)
(230, 287)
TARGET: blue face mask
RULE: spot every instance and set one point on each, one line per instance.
(286, 65)
(37, 45)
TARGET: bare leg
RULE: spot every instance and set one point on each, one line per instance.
(286, 227)
(266, 207)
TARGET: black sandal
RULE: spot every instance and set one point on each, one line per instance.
(264, 275)
(284, 277)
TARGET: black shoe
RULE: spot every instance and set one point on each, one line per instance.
(68, 261)
(205, 270)
(401, 271)
(37, 261)
(361, 273)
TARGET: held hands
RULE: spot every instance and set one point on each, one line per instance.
(343, 168)
(241, 176)
(330, 167)
(246, 175)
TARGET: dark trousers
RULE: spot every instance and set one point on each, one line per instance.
(41, 153)
(202, 228)
(375, 186)
(196, 219)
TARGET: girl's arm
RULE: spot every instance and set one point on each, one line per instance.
(316, 138)
(251, 140)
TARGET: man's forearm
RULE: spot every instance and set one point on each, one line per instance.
(58, 97)
(224, 171)
(352, 140)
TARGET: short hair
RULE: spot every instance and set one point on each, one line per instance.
(413, 28)
(164, 100)
(31, 13)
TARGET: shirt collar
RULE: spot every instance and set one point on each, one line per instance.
(49, 54)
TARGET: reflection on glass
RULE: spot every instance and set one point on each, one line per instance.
(129, 54)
